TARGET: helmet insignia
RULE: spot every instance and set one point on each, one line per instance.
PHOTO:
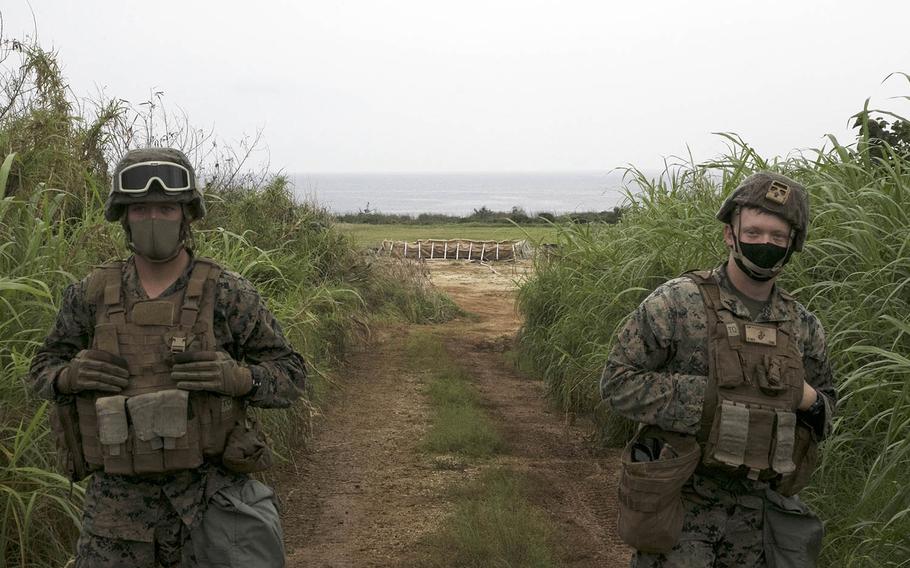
(778, 192)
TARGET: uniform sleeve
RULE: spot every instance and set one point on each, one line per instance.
(819, 374)
(254, 337)
(637, 381)
(71, 333)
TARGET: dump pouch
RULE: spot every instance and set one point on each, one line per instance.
(240, 528)
(650, 502)
(65, 426)
(114, 433)
(247, 449)
(805, 458)
(792, 534)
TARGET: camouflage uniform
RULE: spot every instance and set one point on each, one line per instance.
(134, 520)
(657, 374)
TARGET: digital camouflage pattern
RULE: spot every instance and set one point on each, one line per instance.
(129, 517)
(722, 527)
(657, 373)
(244, 328)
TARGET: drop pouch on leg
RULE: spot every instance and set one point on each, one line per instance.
(650, 492)
(792, 534)
(240, 528)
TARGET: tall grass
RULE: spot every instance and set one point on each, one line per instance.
(854, 274)
(52, 186)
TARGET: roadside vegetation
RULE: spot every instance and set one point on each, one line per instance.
(55, 154)
(493, 523)
(854, 274)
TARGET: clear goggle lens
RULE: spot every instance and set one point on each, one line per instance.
(139, 177)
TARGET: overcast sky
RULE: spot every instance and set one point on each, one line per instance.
(374, 86)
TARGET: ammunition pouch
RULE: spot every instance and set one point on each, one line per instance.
(650, 492)
(792, 534)
(805, 456)
(156, 432)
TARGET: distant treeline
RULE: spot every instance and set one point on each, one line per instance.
(482, 215)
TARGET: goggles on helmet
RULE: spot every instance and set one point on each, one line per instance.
(137, 178)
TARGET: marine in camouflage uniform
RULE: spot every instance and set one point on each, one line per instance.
(141, 520)
(657, 374)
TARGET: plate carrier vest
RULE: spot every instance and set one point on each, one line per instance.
(151, 426)
(755, 385)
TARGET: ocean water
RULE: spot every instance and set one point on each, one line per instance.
(461, 193)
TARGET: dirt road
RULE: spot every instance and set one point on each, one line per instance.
(364, 495)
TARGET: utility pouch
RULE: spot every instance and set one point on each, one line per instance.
(178, 431)
(805, 458)
(147, 454)
(247, 448)
(770, 376)
(114, 433)
(65, 425)
(217, 417)
(650, 502)
(792, 534)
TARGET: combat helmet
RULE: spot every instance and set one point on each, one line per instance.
(154, 175)
(773, 193)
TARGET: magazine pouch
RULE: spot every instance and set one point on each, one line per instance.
(113, 433)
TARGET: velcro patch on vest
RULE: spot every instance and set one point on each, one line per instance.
(761, 334)
(153, 312)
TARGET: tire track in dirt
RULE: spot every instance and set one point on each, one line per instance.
(574, 485)
(362, 494)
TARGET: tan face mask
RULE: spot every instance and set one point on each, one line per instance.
(158, 240)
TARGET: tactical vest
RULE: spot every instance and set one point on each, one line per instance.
(151, 426)
(755, 385)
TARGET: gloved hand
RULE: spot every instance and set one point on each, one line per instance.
(212, 371)
(96, 370)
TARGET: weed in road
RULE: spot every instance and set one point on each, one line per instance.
(459, 425)
(494, 525)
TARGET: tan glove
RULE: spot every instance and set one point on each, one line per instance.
(93, 370)
(212, 371)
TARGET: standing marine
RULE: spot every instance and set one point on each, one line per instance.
(729, 379)
(152, 364)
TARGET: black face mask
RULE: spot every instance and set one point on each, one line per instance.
(759, 261)
(765, 255)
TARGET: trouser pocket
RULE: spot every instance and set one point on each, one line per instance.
(650, 492)
(792, 534)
